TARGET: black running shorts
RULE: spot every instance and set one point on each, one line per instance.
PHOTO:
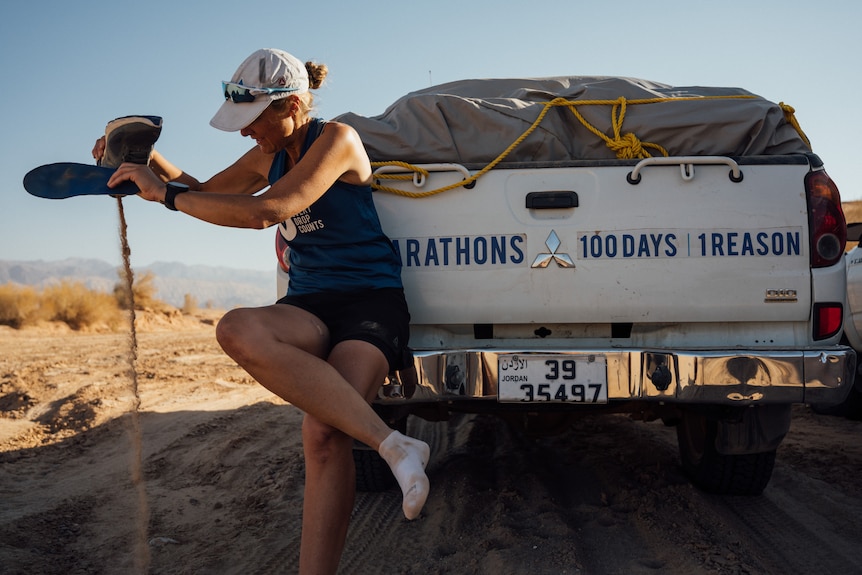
(379, 317)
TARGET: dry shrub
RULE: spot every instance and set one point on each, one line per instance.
(76, 305)
(190, 304)
(20, 306)
(143, 291)
(853, 215)
(852, 211)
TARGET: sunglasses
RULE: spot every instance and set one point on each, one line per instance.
(239, 93)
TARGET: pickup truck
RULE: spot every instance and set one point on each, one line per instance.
(576, 245)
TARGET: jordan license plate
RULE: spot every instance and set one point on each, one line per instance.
(550, 378)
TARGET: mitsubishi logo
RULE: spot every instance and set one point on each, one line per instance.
(553, 244)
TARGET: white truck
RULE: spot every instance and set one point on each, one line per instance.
(599, 244)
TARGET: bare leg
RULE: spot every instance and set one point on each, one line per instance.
(281, 347)
(330, 475)
(329, 497)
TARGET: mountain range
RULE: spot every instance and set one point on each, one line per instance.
(216, 287)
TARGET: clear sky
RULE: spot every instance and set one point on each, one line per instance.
(69, 67)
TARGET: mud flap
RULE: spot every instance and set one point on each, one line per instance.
(759, 429)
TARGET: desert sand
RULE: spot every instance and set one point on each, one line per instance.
(219, 471)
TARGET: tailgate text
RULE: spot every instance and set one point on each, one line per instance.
(689, 243)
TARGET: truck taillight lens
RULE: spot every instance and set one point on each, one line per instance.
(282, 250)
(826, 223)
(828, 318)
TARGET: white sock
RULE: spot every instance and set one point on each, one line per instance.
(407, 458)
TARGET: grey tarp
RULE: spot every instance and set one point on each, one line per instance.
(473, 121)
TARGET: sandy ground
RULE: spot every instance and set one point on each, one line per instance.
(220, 488)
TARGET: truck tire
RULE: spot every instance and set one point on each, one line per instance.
(372, 473)
(715, 472)
(851, 407)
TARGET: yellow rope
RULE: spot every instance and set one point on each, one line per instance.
(626, 146)
(789, 115)
(467, 181)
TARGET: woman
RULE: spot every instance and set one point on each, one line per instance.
(326, 346)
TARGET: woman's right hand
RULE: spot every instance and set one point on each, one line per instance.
(150, 186)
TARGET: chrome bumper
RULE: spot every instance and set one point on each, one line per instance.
(721, 377)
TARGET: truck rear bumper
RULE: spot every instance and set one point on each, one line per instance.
(716, 377)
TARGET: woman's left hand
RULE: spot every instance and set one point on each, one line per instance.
(151, 187)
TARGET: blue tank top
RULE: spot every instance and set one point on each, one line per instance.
(336, 244)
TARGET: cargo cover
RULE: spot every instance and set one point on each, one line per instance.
(473, 121)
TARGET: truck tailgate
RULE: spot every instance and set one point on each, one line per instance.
(685, 243)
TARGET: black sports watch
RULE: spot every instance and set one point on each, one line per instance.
(171, 191)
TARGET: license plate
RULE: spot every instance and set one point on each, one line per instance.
(557, 378)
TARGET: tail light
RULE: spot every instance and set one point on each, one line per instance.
(828, 318)
(282, 250)
(828, 229)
